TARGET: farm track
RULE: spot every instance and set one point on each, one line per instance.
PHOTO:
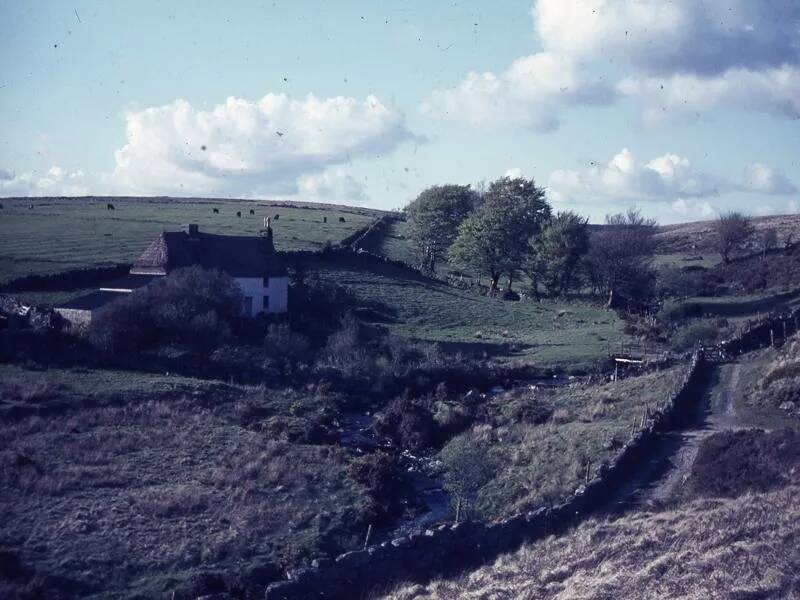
(659, 479)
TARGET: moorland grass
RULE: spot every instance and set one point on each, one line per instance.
(544, 442)
(723, 548)
(136, 478)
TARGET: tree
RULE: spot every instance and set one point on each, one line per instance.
(733, 230)
(769, 240)
(620, 255)
(491, 240)
(556, 252)
(469, 465)
(434, 217)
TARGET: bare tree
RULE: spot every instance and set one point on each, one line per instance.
(620, 257)
(733, 230)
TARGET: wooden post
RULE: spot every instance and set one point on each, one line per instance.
(588, 469)
(616, 370)
(458, 509)
(771, 336)
(366, 539)
(784, 329)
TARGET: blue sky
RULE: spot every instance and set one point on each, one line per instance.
(684, 109)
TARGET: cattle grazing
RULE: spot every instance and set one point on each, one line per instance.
(30, 206)
(324, 219)
(239, 214)
(277, 216)
(252, 212)
(215, 211)
(341, 219)
(109, 206)
(1, 206)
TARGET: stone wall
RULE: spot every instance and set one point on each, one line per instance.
(452, 547)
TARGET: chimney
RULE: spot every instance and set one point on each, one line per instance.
(266, 237)
(192, 230)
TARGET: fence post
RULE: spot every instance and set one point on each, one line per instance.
(771, 336)
(366, 539)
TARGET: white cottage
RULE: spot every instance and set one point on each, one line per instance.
(250, 260)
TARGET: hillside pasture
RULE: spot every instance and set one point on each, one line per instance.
(58, 234)
(545, 334)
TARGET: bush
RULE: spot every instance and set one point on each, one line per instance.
(190, 306)
(689, 337)
(409, 424)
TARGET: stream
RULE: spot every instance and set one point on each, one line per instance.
(434, 504)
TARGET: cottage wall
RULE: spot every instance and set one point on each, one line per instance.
(277, 290)
(77, 318)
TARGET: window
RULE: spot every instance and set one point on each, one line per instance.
(266, 283)
(266, 303)
(248, 306)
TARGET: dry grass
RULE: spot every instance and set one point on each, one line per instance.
(541, 461)
(120, 495)
(747, 547)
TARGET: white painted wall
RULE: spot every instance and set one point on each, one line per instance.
(277, 290)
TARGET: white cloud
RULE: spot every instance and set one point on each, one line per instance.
(775, 90)
(243, 147)
(665, 178)
(669, 186)
(514, 173)
(679, 36)
(529, 94)
(333, 184)
(678, 57)
(762, 179)
(56, 182)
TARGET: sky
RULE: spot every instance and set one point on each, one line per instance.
(683, 108)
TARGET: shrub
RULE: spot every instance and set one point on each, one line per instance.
(283, 343)
(688, 337)
(189, 306)
(409, 424)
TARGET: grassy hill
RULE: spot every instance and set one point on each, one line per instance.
(58, 234)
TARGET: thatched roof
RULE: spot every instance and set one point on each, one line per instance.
(238, 256)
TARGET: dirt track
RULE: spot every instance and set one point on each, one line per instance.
(670, 466)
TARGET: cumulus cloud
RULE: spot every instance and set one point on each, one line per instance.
(333, 184)
(676, 57)
(56, 182)
(665, 178)
(762, 179)
(529, 94)
(243, 147)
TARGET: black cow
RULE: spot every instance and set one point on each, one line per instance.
(109, 206)
(277, 216)
(215, 211)
(239, 214)
(1, 206)
(341, 219)
(252, 212)
(324, 219)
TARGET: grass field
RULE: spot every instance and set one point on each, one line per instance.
(65, 233)
(547, 334)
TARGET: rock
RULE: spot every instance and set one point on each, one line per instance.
(402, 542)
(788, 406)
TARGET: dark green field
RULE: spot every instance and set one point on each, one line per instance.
(58, 234)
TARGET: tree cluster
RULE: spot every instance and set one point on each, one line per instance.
(509, 229)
